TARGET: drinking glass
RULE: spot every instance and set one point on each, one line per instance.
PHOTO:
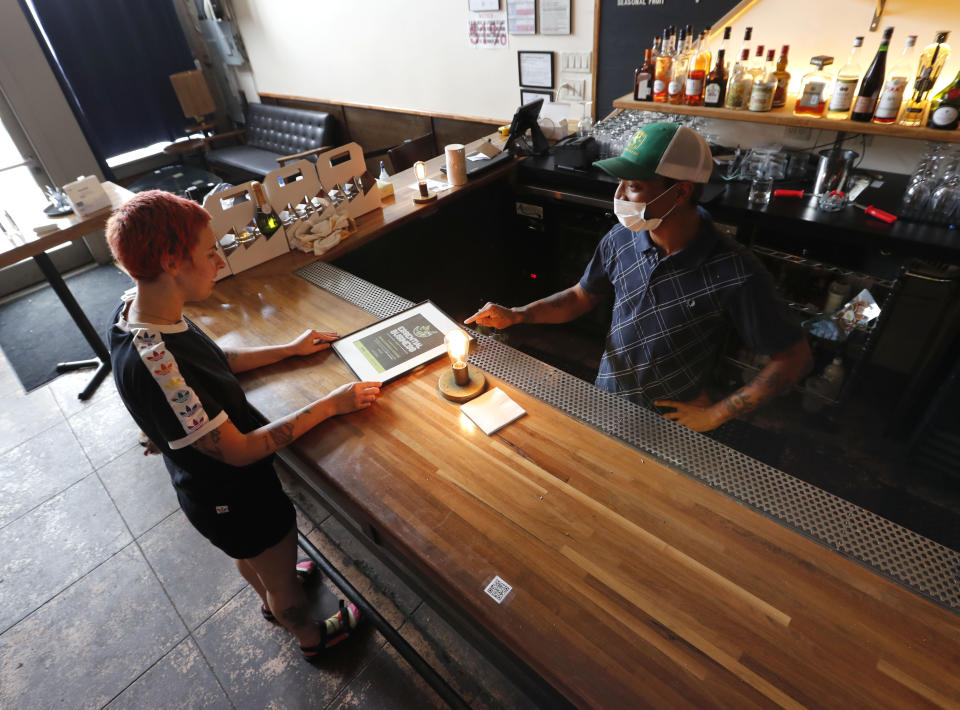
(945, 201)
(915, 198)
(761, 189)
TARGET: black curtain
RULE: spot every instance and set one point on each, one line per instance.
(115, 57)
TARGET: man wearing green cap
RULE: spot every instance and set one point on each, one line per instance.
(678, 286)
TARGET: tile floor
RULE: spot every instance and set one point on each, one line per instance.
(110, 599)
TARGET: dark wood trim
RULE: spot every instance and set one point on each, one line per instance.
(284, 99)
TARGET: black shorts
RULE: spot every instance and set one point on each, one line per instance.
(242, 521)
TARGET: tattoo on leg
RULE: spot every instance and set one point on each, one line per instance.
(296, 616)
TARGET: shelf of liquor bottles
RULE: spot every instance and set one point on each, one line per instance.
(786, 117)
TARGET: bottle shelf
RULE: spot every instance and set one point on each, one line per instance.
(785, 117)
(821, 266)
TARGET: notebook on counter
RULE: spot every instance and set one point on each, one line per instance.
(492, 411)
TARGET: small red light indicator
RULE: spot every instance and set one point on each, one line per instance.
(533, 276)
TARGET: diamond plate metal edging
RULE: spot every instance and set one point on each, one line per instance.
(913, 561)
(371, 298)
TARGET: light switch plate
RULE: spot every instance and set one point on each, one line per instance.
(576, 62)
(571, 89)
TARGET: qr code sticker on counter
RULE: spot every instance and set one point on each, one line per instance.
(498, 590)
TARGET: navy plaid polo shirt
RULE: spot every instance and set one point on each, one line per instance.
(671, 315)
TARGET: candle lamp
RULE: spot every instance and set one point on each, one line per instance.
(420, 170)
(460, 383)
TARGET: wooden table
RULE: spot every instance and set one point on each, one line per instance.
(633, 585)
(72, 227)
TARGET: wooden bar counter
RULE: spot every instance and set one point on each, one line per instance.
(633, 585)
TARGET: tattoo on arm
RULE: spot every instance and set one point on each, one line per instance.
(763, 386)
(210, 445)
(282, 434)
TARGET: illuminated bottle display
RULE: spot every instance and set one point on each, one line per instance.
(945, 107)
(664, 68)
(813, 89)
(783, 79)
(716, 87)
(932, 59)
(888, 107)
(845, 85)
(740, 83)
(872, 82)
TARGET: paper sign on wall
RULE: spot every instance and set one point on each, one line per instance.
(487, 31)
(522, 17)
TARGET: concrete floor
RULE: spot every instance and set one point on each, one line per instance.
(110, 599)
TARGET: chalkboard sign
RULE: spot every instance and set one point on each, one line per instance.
(627, 27)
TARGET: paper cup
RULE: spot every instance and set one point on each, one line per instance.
(456, 164)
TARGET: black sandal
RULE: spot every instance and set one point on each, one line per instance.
(333, 631)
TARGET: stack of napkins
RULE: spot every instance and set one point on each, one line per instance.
(492, 411)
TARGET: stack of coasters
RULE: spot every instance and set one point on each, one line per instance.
(492, 411)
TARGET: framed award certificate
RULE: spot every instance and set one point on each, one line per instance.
(396, 345)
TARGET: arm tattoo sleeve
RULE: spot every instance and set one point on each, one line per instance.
(210, 445)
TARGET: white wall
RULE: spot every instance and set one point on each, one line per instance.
(411, 55)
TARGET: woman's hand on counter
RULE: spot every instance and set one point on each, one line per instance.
(494, 315)
(310, 342)
(353, 396)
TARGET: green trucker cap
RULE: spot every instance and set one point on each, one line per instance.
(662, 149)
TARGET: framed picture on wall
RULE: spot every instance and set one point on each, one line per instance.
(536, 69)
(484, 5)
(522, 17)
(528, 95)
(554, 17)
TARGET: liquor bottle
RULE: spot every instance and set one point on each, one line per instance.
(705, 48)
(783, 79)
(678, 72)
(747, 34)
(725, 43)
(892, 95)
(869, 92)
(716, 87)
(739, 84)
(265, 218)
(764, 84)
(656, 48)
(757, 68)
(663, 70)
(932, 59)
(697, 74)
(845, 85)
(945, 107)
(643, 81)
(813, 89)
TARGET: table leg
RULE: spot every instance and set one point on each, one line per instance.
(102, 361)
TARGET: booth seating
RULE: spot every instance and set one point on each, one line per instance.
(272, 133)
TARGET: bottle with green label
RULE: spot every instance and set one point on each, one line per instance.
(945, 107)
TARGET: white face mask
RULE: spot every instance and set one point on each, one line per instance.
(632, 215)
